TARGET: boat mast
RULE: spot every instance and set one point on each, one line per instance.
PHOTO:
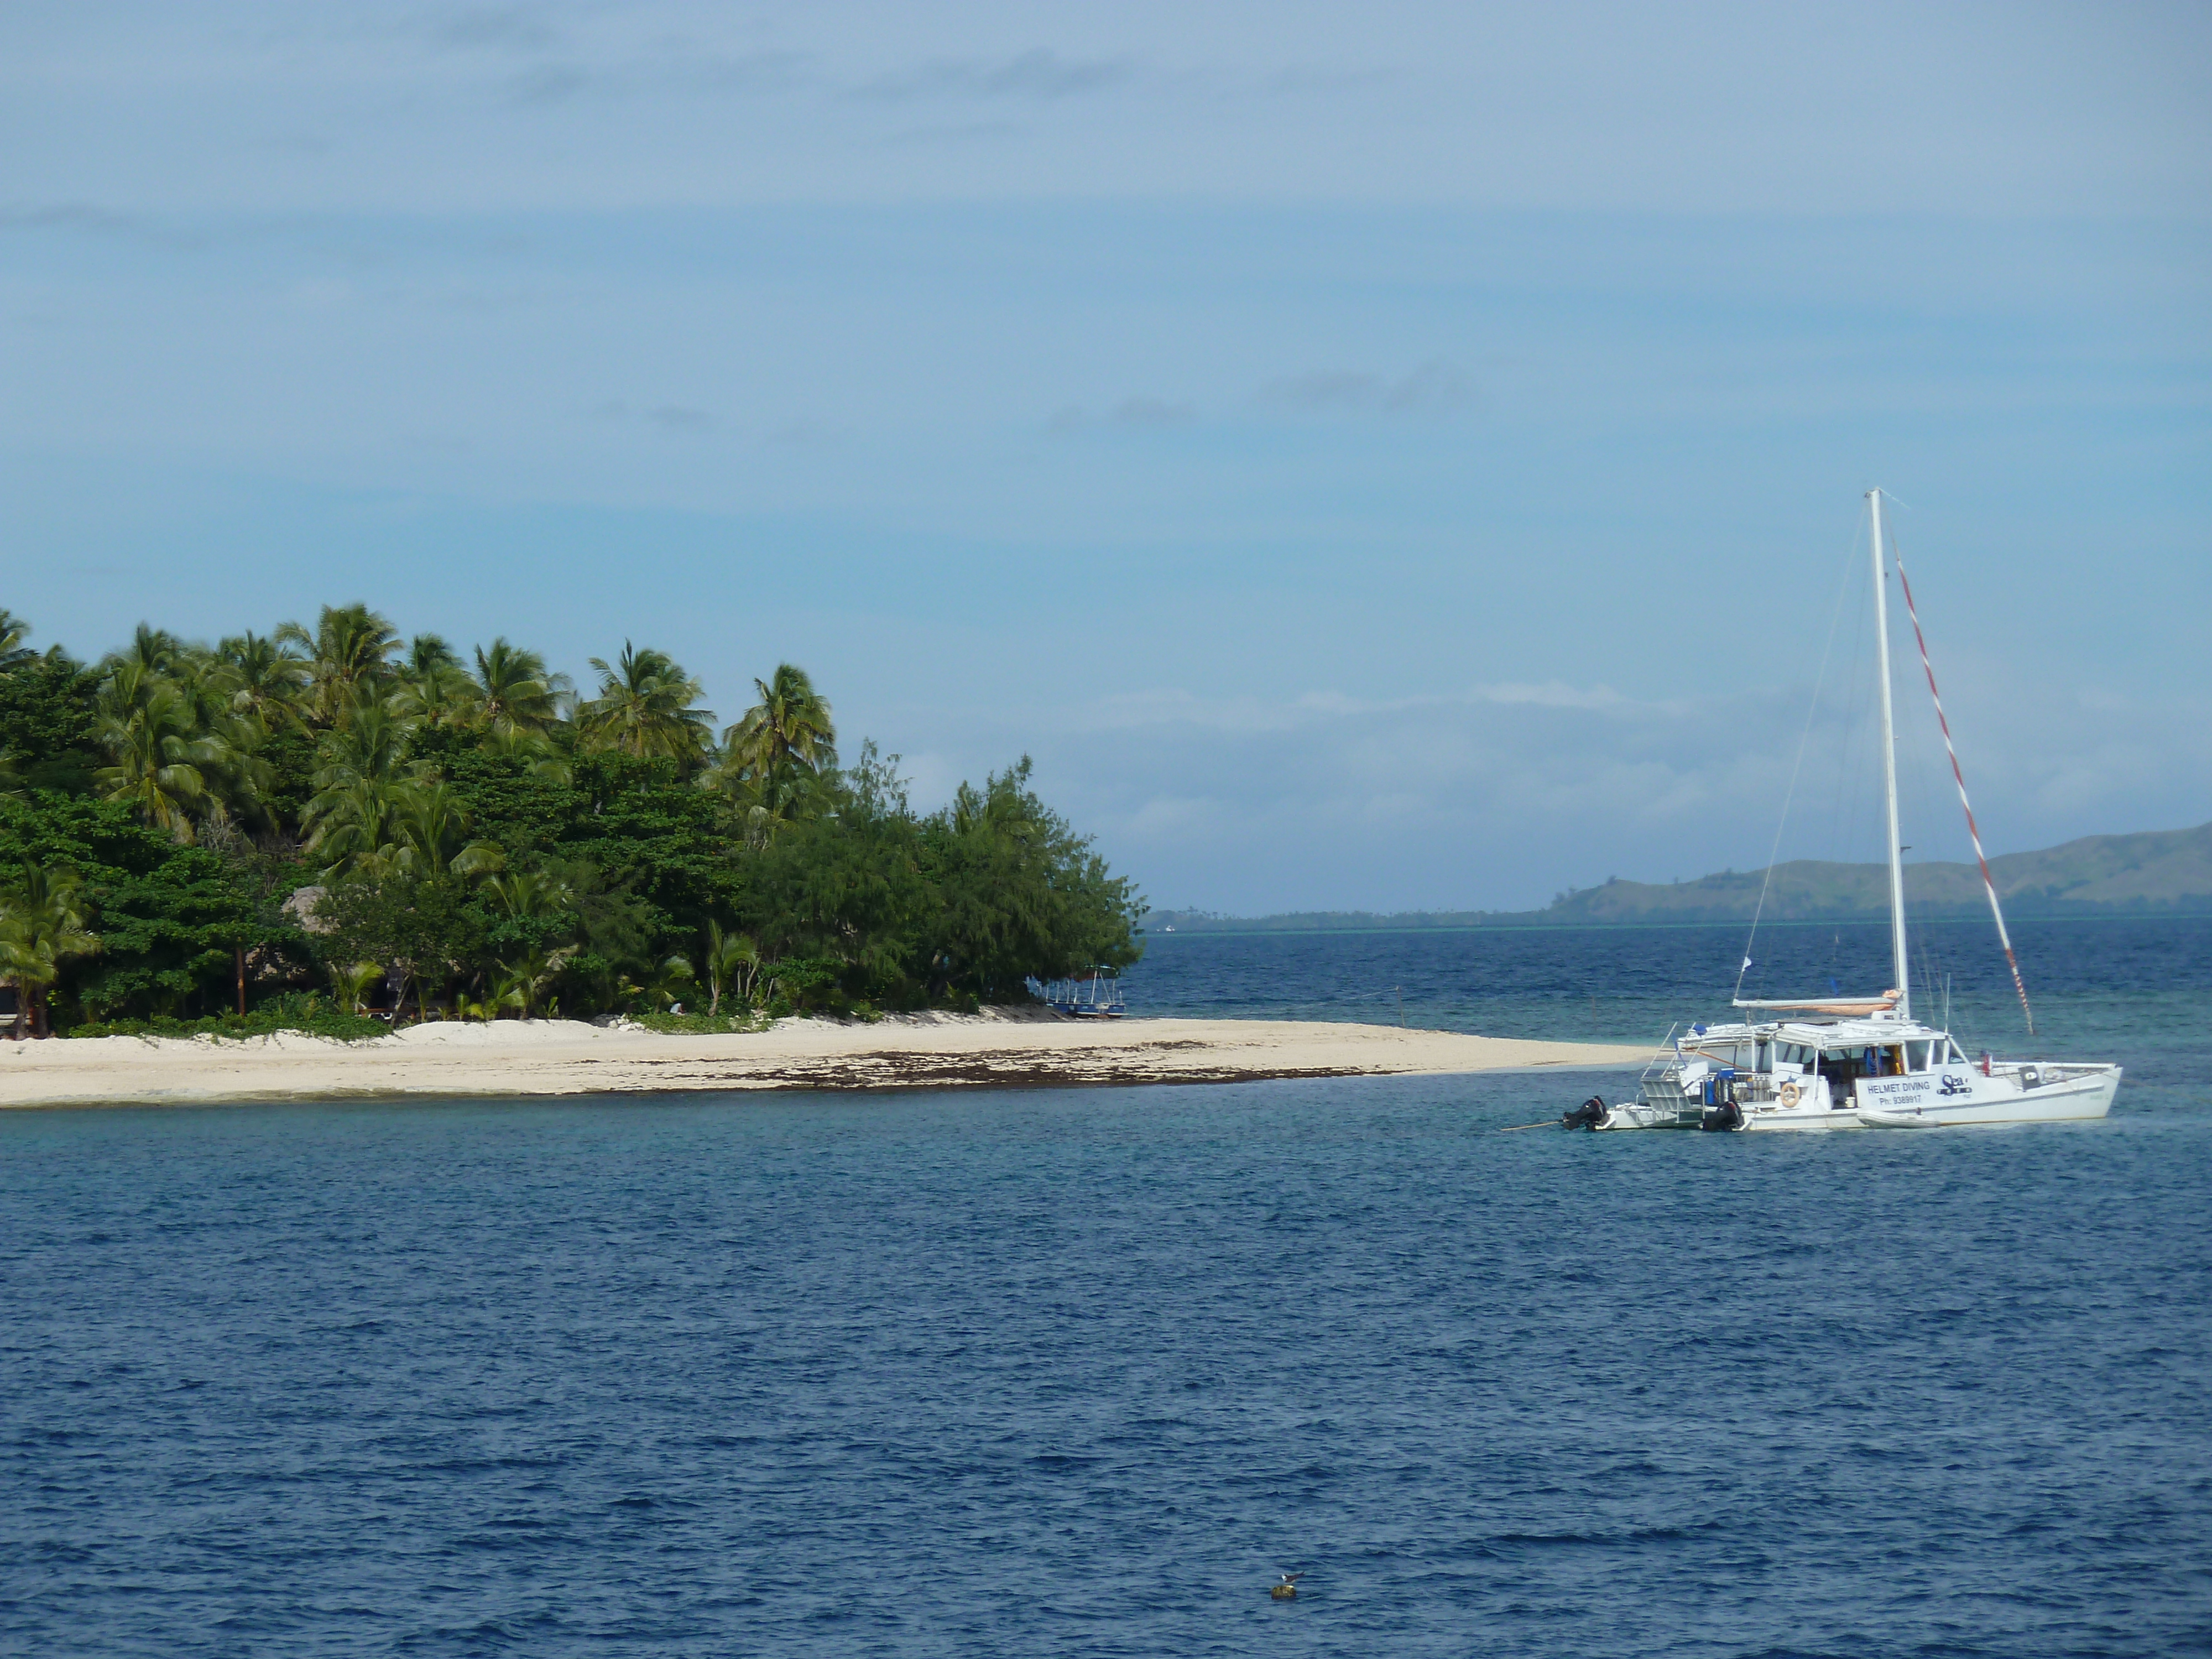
(1901, 964)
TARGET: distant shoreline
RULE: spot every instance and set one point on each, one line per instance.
(2151, 875)
(515, 1058)
(1256, 930)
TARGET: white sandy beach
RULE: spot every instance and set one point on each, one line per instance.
(564, 1057)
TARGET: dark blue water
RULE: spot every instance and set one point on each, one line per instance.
(1078, 1371)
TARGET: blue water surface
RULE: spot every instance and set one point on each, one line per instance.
(1078, 1371)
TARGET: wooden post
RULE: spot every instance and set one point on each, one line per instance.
(240, 949)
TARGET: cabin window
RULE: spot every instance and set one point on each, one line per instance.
(1762, 1056)
(1841, 1065)
(1915, 1056)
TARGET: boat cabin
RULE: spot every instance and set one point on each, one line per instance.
(1809, 1066)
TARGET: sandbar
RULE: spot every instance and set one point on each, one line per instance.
(997, 1048)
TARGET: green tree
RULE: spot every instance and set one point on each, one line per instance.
(429, 829)
(266, 678)
(421, 930)
(515, 692)
(160, 760)
(1021, 895)
(348, 656)
(646, 708)
(775, 758)
(523, 981)
(733, 962)
(434, 687)
(14, 653)
(176, 922)
(46, 718)
(154, 651)
(43, 924)
(352, 980)
(363, 770)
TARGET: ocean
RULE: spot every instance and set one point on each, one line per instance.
(1080, 1371)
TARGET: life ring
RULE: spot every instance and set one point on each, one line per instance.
(1787, 1094)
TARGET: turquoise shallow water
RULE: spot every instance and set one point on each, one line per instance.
(1078, 1371)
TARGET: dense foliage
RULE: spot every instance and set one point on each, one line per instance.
(291, 829)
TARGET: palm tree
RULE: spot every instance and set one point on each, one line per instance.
(429, 827)
(515, 692)
(532, 895)
(671, 983)
(42, 924)
(540, 756)
(180, 751)
(530, 977)
(773, 760)
(155, 650)
(359, 791)
(434, 687)
(14, 653)
(352, 980)
(265, 676)
(349, 652)
(648, 707)
(160, 758)
(791, 725)
(733, 962)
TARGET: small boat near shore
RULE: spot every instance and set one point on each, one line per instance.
(1095, 995)
(1838, 1063)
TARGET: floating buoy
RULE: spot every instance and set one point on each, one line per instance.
(1287, 1590)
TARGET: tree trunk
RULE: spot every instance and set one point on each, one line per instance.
(241, 950)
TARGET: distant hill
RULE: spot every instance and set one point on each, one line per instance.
(2156, 872)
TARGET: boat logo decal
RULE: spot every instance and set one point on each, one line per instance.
(1955, 1085)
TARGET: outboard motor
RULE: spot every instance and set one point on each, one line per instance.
(1721, 1110)
(1588, 1116)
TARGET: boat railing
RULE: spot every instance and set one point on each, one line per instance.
(1090, 996)
(1666, 1056)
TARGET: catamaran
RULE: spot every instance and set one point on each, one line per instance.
(1841, 1063)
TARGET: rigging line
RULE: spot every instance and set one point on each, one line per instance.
(1988, 883)
(1812, 710)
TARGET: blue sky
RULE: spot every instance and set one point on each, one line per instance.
(1370, 457)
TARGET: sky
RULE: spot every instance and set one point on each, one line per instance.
(1401, 456)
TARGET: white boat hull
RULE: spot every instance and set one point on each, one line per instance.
(2059, 1095)
(1640, 1114)
(1808, 1118)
